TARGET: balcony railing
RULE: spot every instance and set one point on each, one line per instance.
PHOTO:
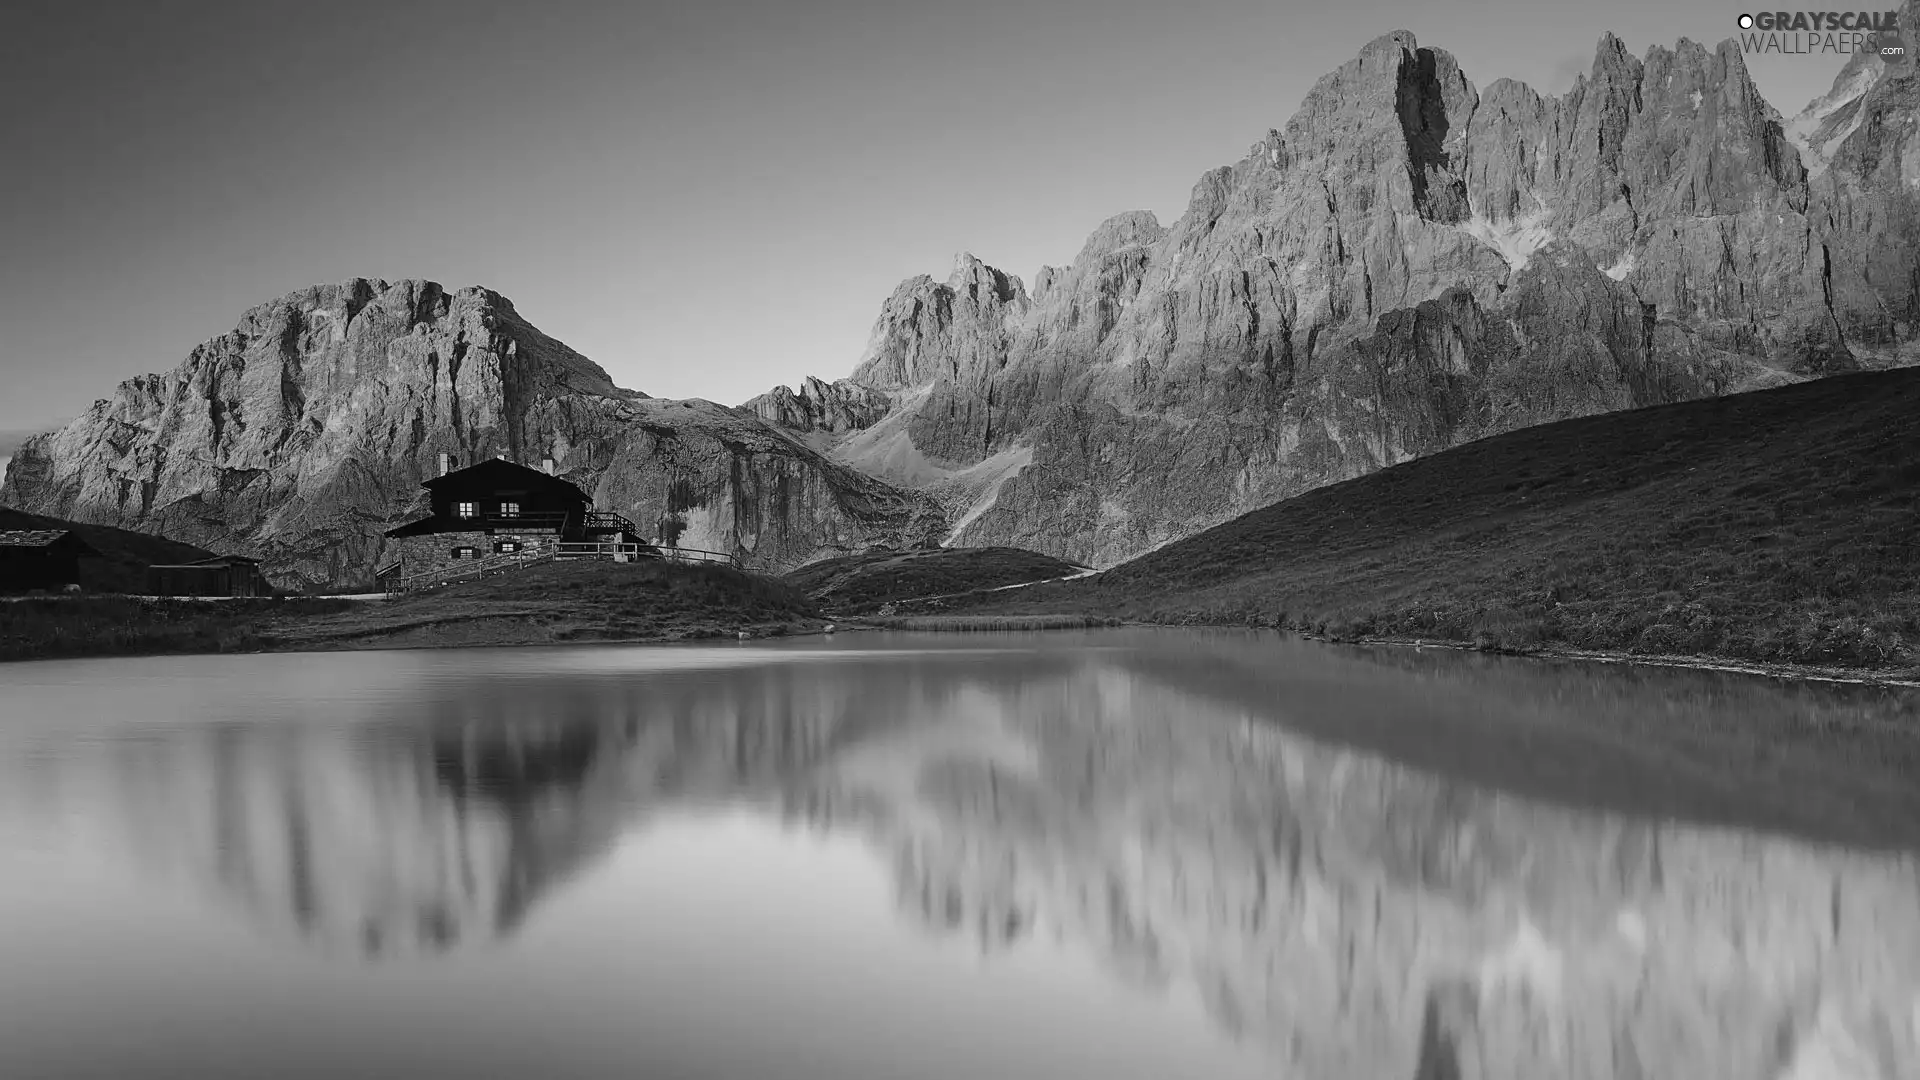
(607, 550)
(606, 519)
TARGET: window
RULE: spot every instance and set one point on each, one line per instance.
(506, 547)
(466, 509)
(466, 552)
(509, 509)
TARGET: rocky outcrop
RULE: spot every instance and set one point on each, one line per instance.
(303, 434)
(821, 408)
(1410, 263)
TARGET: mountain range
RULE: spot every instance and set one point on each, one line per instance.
(1407, 264)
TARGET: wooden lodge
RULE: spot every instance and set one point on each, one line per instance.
(41, 560)
(222, 575)
(498, 514)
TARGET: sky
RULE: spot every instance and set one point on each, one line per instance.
(707, 198)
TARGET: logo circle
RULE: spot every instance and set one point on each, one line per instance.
(1893, 49)
(1746, 22)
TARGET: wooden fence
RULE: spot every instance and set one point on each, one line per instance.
(394, 584)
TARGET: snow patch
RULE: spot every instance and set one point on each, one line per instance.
(1697, 97)
(1621, 267)
(1516, 240)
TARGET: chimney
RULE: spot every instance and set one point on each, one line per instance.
(546, 466)
(445, 463)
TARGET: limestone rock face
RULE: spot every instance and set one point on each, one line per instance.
(821, 408)
(304, 434)
(1410, 263)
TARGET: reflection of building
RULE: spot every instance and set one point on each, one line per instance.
(499, 512)
(40, 559)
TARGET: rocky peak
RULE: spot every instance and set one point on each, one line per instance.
(304, 433)
(821, 407)
(1407, 263)
(1865, 123)
(957, 331)
(980, 282)
(1132, 229)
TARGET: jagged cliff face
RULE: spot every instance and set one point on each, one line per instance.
(1410, 263)
(305, 433)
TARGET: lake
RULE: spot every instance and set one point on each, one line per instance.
(1110, 854)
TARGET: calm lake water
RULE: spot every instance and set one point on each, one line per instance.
(1117, 854)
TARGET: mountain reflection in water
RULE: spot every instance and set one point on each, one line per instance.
(1150, 801)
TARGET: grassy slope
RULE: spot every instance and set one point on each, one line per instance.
(569, 601)
(1777, 526)
(856, 583)
(555, 602)
(125, 555)
(51, 628)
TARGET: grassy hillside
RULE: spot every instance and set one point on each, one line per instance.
(1781, 525)
(567, 601)
(124, 555)
(51, 628)
(570, 601)
(858, 583)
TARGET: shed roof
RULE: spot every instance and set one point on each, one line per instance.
(29, 537)
(218, 562)
(42, 538)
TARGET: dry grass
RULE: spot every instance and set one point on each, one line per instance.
(572, 601)
(569, 601)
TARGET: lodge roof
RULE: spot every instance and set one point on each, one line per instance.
(500, 471)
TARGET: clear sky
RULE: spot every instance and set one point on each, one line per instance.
(707, 198)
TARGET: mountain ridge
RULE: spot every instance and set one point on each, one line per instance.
(1698, 279)
(305, 432)
(1409, 263)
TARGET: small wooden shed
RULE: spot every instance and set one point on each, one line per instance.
(222, 575)
(40, 559)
